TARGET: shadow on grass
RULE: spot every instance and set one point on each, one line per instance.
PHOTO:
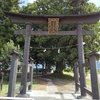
(56, 78)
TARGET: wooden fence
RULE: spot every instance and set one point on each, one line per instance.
(13, 74)
(94, 76)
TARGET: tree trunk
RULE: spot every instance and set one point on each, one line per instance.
(59, 68)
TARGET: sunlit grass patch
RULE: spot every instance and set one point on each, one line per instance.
(4, 90)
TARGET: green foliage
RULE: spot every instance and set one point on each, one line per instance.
(60, 56)
(5, 59)
(6, 27)
(7, 35)
(68, 69)
(67, 44)
(8, 48)
(10, 5)
(99, 71)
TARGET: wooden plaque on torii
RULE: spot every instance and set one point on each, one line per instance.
(53, 25)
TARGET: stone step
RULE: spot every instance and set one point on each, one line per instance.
(51, 88)
(43, 98)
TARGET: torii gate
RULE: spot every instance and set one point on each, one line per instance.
(53, 22)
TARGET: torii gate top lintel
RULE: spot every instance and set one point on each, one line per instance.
(20, 18)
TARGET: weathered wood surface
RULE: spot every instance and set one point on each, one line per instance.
(86, 64)
(21, 63)
(81, 58)
(88, 91)
(30, 65)
(13, 74)
(94, 76)
(76, 72)
(17, 90)
(26, 58)
(78, 85)
(19, 18)
(28, 83)
(23, 32)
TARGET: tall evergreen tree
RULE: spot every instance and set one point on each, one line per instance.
(7, 32)
(6, 27)
(67, 43)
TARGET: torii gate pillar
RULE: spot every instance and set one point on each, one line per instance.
(26, 58)
(81, 58)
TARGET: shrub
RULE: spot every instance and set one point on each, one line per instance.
(68, 69)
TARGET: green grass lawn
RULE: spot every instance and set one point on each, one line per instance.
(68, 73)
(66, 78)
(88, 82)
(4, 90)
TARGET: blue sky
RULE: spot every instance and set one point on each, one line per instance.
(97, 2)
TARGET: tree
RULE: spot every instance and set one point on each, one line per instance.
(6, 27)
(5, 58)
(67, 44)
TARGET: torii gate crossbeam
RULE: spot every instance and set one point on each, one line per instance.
(22, 32)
